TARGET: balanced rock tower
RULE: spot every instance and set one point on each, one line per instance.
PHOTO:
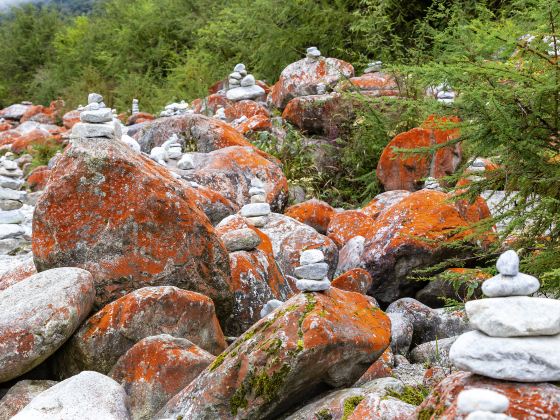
(312, 272)
(242, 85)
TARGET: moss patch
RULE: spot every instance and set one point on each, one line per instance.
(350, 405)
(413, 395)
(323, 414)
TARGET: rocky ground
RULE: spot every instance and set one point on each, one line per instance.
(155, 270)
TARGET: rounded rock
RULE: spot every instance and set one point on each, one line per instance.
(508, 263)
(311, 256)
(504, 286)
(255, 210)
(241, 240)
(480, 399)
(306, 285)
(315, 271)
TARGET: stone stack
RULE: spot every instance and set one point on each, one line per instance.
(258, 211)
(242, 85)
(171, 149)
(135, 107)
(516, 337)
(374, 67)
(313, 54)
(97, 120)
(312, 272)
(176, 108)
(482, 404)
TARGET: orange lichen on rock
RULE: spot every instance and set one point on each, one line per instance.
(255, 123)
(139, 118)
(356, 280)
(17, 274)
(381, 368)
(314, 213)
(245, 108)
(38, 178)
(383, 201)
(348, 224)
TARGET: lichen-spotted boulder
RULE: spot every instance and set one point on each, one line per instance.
(20, 395)
(112, 331)
(129, 222)
(314, 213)
(155, 369)
(18, 273)
(381, 202)
(356, 280)
(312, 342)
(347, 225)
(38, 314)
(526, 401)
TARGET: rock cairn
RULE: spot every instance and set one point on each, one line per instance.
(516, 337)
(432, 184)
(313, 54)
(171, 149)
(97, 120)
(258, 210)
(242, 85)
(374, 67)
(175, 108)
(482, 404)
(135, 107)
(312, 272)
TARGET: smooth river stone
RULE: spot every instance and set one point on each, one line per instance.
(311, 256)
(305, 285)
(255, 210)
(480, 399)
(515, 316)
(508, 263)
(521, 359)
(315, 271)
(503, 286)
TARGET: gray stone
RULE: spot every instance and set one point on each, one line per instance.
(11, 217)
(255, 210)
(401, 333)
(94, 106)
(244, 239)
(10, 204)
(313, 285)
(258, 221)
(257, 183)
(17, 173)
(503, 286)
(515, 316)
(350, 255)
(313, 53)
(175, 152)
(270, 306)
(311, 256)
(522, 359)
(95, 98)
(86, 130)
(87, 396)
(11, 231)
(11, 183)
(242, 93)
(15, 111)
(236, 75)
(248, 81)
(159, 154)
(508, 263)
(9, 194)
(11, 245)
(256, 191)
(240, 67)
(125, 138)
(433, 352)
(480, 399)
(99, 116)
(315, 271)
(20, 395)
(261, 198)
(186, 162)
(410, 374)
(487, 415)
(10, 165)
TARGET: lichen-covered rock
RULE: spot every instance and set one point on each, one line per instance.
(129, 222)
(303, 78)
(230, 171)
(526, 401)
(38, 314)
(71, 118)
(87, 396)
(155, 369)
(313, 340)
(347, 225)
(38, 178)
(290, 238)
(111, 332)
(139, 118)
(335, 405)
(350, 255)
(255, 123)
(398, 171)
(381, 202)
(374, 407)
(20, 395)
(411, 234)
(214, 205)
(18, 273)
(356, 280)
(371, 84)
(245, 108)
(381, 368)
(314, 213)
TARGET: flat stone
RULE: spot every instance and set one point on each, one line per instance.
(315, 271)
(515, 316)
(258, 221)
(480, 399)
(522, 359)
(86, 130)
(311, 256)
(244, 239)
(508, 263)
(503, 286)
(131, 142)
(241, 93)
(256, 191)
(255, 210)
(87, 396)
(10, 165)
(11, 173)
(487, 415)
(270, 306)
(235, 75)
(261, 198)
(98, 116)
(11, 217)
(7, 205)
(95, 98)
(11, 231)
(248, 81)
(175, 152)
(11, 183)
(306, 285)
(9, 194)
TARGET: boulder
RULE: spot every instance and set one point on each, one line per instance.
(87, 396)
(347, 225)
(38, 314)
(313, 341)
(70, 119)
(433, 352)
(230, 171)
(16, 274)
(314, 213)
(129, 222)
(382, 202)
(381, 368)
(356, 280)
(155, 369)
(214, 205)
(139, 118)
(20, 395)
(111, 332)
(374, 407)
(371, 84)
(398, 171)
(350, 255)
(526, 401)
(255, 123)
(308, 77)
(245, 108)
(15, 111)
(38, 178)
(413, 234)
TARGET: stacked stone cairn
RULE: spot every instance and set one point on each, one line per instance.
(516, 337)
(258, 210)
(135, 107)
(482, 404)
(176, 108)
(313, 54)
(242, 85)
(97, 120)
(432, 184)
(374, 67)
(13, 233)
(312, 272)
(171, 149)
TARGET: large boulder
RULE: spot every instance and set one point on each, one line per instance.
(382, 202)
(214, 205)
(407, 171)
(303, 78)
(230, 171)
(414, 233)
(111, 332)
(20, 395)
(87, 396)
(314, 213)
(245, 108)
(313, 341)
(38, 314)
(347, 225)
(526, 401)
(155, 369)
(371, 84)
(127, 220)
(17, 273)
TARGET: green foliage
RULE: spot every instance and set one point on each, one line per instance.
(42, 153)
(413, 395)
(350, 405)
